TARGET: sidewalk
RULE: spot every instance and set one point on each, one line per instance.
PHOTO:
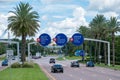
(3, 67)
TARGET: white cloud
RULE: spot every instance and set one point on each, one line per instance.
(105, 5)
(9, 0)
(53, 1)
(67, 26)
(110, 14)
(3, 26)
(79, 12)
(57, 8)
(58, 16)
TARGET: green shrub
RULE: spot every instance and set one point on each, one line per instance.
(27, 65)
(16, 65)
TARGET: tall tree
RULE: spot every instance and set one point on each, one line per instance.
(113, 28)
(84, 31)
(98, 25)
(23, 23)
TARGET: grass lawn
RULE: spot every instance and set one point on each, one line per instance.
(116, 67)
(23, 74)
(69, 58)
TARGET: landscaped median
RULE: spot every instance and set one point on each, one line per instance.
(34, 73)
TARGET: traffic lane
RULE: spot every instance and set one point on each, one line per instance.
(47, 66)
(61, 76)
(82, 73)
(103, 73)
(85, 73)
(69, 73)
(76, 74)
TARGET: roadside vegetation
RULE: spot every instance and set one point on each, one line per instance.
(2, 58)
(69, 58)
(116, 67)
(34, 73)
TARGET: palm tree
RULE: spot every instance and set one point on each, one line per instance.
(98, 25)
(23, 23)
(84, 31)
(113, 27)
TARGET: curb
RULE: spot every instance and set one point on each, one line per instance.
(48, 75)
(2, 68)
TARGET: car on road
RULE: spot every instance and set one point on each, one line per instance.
(52, 60)
(75, 64)
(90, 64)
(57, 68)
(36, 57)
(5, 62)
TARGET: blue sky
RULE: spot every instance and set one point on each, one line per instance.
(61, 16)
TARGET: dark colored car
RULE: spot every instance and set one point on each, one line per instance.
(75, 64)
(90, 64)
(57, 68)
(5, 62)
(52, 60)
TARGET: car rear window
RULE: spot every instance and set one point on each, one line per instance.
(58, 66)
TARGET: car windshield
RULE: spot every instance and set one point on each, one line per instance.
(52, 59)
(75, 62)
(57, 66)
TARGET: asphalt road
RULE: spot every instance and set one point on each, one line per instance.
(81, 73)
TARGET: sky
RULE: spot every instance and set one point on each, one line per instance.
(60, 16)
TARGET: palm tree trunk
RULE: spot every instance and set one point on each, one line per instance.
(23, 47)
(113, 47)
(105, 54)
(99, 51)
(95, 52)
(83, 46)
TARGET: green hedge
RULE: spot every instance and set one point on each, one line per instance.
(16, 65)
(27, 65)
(24, 65)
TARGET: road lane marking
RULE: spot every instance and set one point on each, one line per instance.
(48, 74)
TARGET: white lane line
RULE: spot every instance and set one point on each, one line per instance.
(48, 74)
